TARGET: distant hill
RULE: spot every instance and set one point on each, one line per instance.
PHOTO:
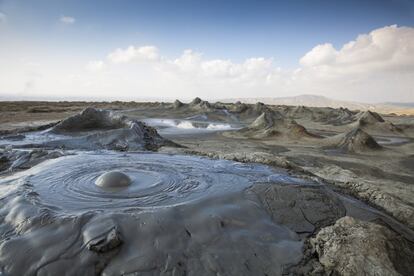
(321, 101)
(410, 105)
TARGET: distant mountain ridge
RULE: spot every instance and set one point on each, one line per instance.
(411, 105)
(321, 101)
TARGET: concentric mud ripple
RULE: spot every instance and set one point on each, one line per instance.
(157, 180)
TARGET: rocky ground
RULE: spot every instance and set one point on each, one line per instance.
(357, 154)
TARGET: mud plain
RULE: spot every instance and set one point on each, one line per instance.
(222, 189)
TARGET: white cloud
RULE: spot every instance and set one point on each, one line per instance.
(3, 17)
(378, 66)
(388, 48)
(189, 61)
(95, 66)
(193, 65)
(144, 53)
(320, 55)
(360, 65)
(67, 19)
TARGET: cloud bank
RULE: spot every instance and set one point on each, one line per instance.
(389, 48)
(378, 66)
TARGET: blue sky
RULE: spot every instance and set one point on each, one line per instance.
(281, 31)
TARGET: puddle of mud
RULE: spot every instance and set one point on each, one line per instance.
(158, 180)
(391, 141)
(179, 126)
(35, 137)
(38, 137)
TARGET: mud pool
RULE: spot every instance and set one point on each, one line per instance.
(188, 126)
(174, 206)
(157, 180)
(28, 138)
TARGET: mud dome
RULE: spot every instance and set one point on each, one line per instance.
(113, 179)
(188, 216)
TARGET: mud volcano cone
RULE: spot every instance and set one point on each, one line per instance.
(372, 122)
(177, 104)
(355, 140)
(91, 119)
(273, 123)
(110, 131)
(369, 118)
(196, 101)
(264, 121)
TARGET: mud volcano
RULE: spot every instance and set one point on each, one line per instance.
(113, 179)
(94, 129)
(373, 123)
(160, 180)
(355, 140)
(273, 124)
(188, 216)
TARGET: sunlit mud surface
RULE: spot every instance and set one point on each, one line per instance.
(180, 213)
(35, 137)
(157, 180)
(389, 140)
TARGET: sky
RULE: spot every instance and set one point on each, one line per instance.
(130, 50)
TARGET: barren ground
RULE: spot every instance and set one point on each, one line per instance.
(381, 177)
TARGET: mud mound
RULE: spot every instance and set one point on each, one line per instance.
(249, 109)
(110, 132)
(195, 101)
(199, 104)
(205, 105)
(298, 131)
(369, 117)
(260, 108)
(237, 107)
(373, 122)
(355, 140)
(327, 115)
(239, 111)
(339, 116)
(272, 124)
(333, 116)
(248, 112)
(91, 119)
(267, 120)
(138, 136)
(299, 112)
(353, 247)
(177, 104)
